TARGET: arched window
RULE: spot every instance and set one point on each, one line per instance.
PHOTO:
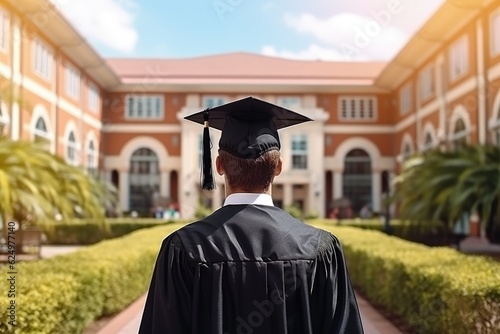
(407, 151)
(496, 130)
(4, 121)
(71, 149)
(428, 142)
(460, 134)
(144, 181)
(91, 159)
(41, 135)
(357, 179)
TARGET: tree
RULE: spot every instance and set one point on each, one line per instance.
(37, 186)
(441, 186)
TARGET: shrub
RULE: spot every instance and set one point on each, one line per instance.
(87, 231)
(202, 211)
(436, 290)
(65, 294)
(428, 233)
(294, 211)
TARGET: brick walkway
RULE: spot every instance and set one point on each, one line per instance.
(127, 322)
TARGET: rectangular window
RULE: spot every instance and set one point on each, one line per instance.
(144, 106)
(289, 102)
(213, 101)
(495, 33)
(72, 82)
(42, 59)
(427, 83)
(299, 152)
(4, 30)
(405, 99)
(93, 97)
(459, 58)
(357, 108)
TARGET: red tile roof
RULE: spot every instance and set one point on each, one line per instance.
(244, 68)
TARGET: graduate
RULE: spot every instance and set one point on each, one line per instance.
(249, 267)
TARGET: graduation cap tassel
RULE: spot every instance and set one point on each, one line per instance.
(207, 182)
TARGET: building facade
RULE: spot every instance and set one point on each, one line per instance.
(124, 117)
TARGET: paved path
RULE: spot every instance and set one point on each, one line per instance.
(49, 251)
(479, 245)
(127, 322)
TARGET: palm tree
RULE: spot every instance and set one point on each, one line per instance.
(37, 186)
(442, 186)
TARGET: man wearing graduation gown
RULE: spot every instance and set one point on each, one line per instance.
(250, 267)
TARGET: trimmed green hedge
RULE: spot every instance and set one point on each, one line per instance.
(431, 234)
(65, 294)
(87, 232)
(436, 290)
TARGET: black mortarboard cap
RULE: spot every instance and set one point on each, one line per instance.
(249, 129)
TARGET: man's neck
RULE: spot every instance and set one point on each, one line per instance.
(230, 191)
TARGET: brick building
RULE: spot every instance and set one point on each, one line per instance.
(123, 117)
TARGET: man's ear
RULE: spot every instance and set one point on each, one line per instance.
(279, 167)
(218, 166)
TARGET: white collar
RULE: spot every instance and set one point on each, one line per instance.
(249, 198)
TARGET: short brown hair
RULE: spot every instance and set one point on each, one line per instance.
(250, 174)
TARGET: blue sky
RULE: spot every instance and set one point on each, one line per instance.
(355, 30)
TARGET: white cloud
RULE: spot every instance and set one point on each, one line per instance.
(313, 52)
(408, 15)
(353, 36)
(106, 22)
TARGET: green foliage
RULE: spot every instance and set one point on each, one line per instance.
(202, 211)
(294, 211)
(441, 186)
(312, 215)
(36, 186)
(88, 231)
(65, 294)
(436, 290)
(428, 233)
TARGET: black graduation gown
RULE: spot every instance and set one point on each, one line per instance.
(250, 269)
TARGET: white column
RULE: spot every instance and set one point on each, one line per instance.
(123, 182)
(337, 184)
(317, 195)
(16, 77)
(481, 80)
(418, 119)
(376, 190)
(165, 183)
(441, 133)
(287, 195)
(14, 122)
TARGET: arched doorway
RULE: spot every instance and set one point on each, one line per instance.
(174, 187)
(357, 179)
(328, 192)
(115, 178)
(144, 185)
